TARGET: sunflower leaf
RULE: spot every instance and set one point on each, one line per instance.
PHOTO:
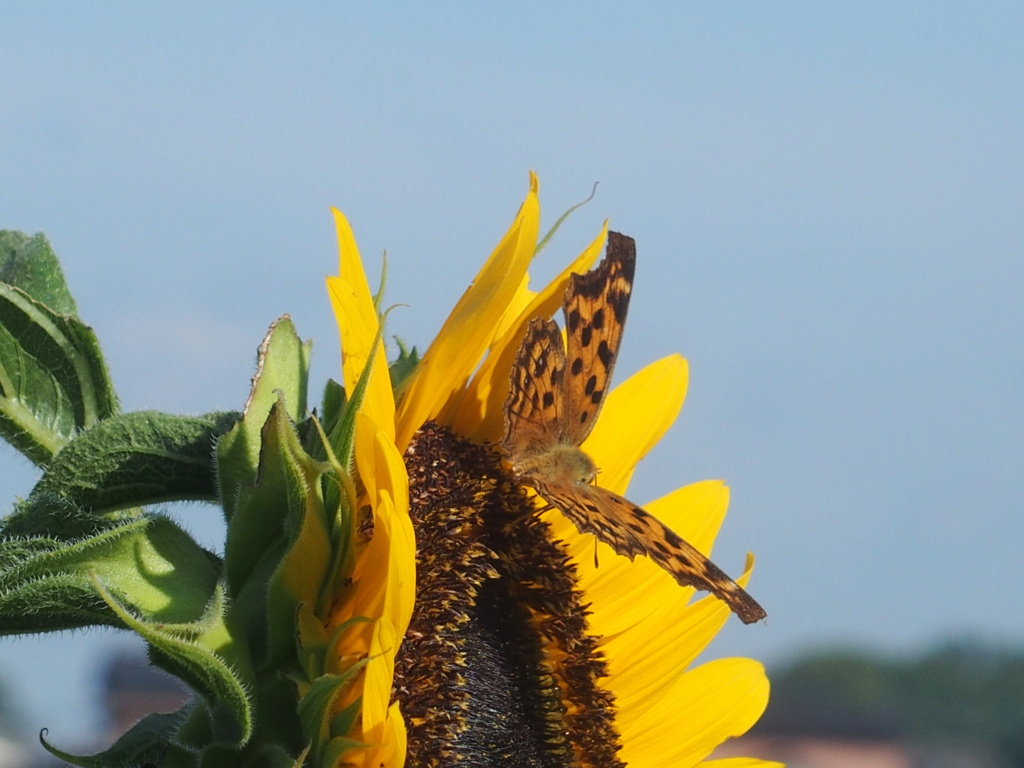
(30, 264)
(47, 581)
(133, 459)
(53, 379)
(147, 742)
(186, 651)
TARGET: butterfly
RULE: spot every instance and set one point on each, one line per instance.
(556, 392)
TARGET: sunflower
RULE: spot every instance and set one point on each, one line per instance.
(491, 632)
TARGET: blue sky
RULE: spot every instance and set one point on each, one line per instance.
(826, 200)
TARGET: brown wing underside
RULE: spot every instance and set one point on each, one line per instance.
(533, 410)
(631, 531)
(556, 392)
(595, 313)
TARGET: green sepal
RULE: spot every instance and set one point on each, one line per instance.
(334, 443)
(132, 459)
(202, 654)
(378, 297)
(46, 582)
(30, 264)
(336, 749)
(345, 720)
(331, 673)
(340, 446)
(149, 742)
(342, 434)
(282, 365)
(312, 637)
(402, 367)
(278, 542)
(300, 761)
(53, 379)
(319, 726)
(299, 579)
(339, 490)
(332, 407)
(320, 650)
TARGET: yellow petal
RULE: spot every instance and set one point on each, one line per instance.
(651, 655)
(395, 739)
(716, 701)
(447, 365)
(377, 680)
(401, 593)
(392, 535)
(366, 456)
(479, 415)
(358, 326)
(636, 415)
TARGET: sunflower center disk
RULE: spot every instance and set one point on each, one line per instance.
(497, 667)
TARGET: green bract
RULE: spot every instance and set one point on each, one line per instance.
(246, 631)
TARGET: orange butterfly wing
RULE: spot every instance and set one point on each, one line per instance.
(554, 399)
(533, 409)
(631, 531)
(595, 309)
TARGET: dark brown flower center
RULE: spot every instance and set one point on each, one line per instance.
(496, 668)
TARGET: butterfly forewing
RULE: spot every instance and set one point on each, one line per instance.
(631, 531)
(595, 309)
(533, 410)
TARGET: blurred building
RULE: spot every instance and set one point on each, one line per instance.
(132, 689)
(832, 738)
(820, 752)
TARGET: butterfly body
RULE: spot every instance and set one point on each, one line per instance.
(561, 465)
(556, 392)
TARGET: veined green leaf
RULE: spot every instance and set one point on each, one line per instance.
(53, 379)
(30, 264)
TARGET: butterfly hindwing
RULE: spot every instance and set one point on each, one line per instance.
(595, 309)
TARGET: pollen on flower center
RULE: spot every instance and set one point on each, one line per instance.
(496, 667)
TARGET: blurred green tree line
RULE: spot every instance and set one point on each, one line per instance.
(966, 694)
